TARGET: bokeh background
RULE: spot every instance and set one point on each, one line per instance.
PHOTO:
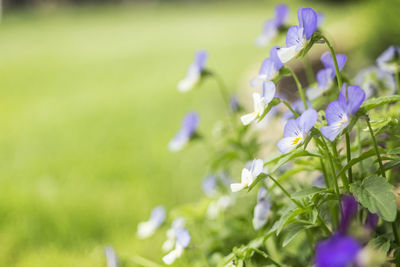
(88, 103)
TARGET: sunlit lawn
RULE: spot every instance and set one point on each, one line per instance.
(87, 106)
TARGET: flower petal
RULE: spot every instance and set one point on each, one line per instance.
(327, 61)
(281, 14)
(268, 91)
(248, 118)
(313, 93)
(354, 98)
(331, 132)
(334, 113)
(308, 20)
(236, 187)
(287, 144)
(307, 120)
(291, 129)
(287, 53)
(258, 166)
(294, 36)
(273, 54)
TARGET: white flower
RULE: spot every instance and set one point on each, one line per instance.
(182, 240)
(147, 228)
(249, 175)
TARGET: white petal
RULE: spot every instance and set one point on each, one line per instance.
(177, 144)
(258, 80)
(171, 257)
(287, 144)
(248, 118)
(285, 54)
(247, 177)
(313, 93)
(256, 101)
(145, 229)
(236, 187)
(258, 167)
(269, 91)
(168, 244)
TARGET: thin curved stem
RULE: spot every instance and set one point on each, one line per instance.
(348, 154)
(376, 147)
(285, 192)
(290, 108)
(332, 51)
(299, 87)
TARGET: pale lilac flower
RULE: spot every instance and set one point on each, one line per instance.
(111, 256)
(178, 223)
(234, 103)
(268, 71)
(260, 103)
(194, 72)
(249, 174)
(338, 112)
(271, 27)
(320, 19)
(178, 240)
(262, 209)
(296, 130)
(209, 185)
(298, 36)
(189, 126)
(147, 228)
(389, 60)
(326, 76)
(373, 79)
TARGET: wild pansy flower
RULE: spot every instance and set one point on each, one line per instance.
(209, 185)
(189, 126)
(298, 36)
(178, 223)
(111, 257)
(340, 250)
(260, 103)
(249, 174)
(182, 241)
(157, 217)
(218, 206)
(389, 60)
(326, 76)
(268, 71)
(194, 72)
(338, 112)
(373, 79)
(262, 209)
(271, 27)
(296, 130)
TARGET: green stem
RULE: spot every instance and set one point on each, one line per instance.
(301, 90)
(359, 146)
(339, 166)
(376, 147)
(338, 76)
(397, 78)
(309, 70)
(290, 108)
(286, 192)
(395, 233)
(350, 172)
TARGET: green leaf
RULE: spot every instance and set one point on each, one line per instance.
(287, 217)
(292, 231)
(260, 177)
(379, 101)
(375, 194)
(364, 155)
(308, 192)
(282, 159)
(271, 104)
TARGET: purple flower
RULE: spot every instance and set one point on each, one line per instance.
(296, 130)
(189, 126)
(337, 251)
(372, 221)
(182, 240)
(269, 69)
(297, 36)
(194, 72)
(271, 26)
(320, 19)
(349, 209)
(338, 112)
(262, 209)
(326, 76)
(209, 185)
(234, 103)
(389, 59)
(147, 228)
(111, 257)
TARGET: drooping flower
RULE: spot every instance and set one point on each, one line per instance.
(249, 174)
(374, 80)
(298, 36)
(271, 27)
(182, 241)
(262, 209)
(389, 60)
(340, 250)
(209, 185)
(326, 76)
(296, 131)
(221, 204)
(194, 72)
(189, 126)
(147, 228)
(111, 256)
(260, 103)
(269, 70)
(339, 111)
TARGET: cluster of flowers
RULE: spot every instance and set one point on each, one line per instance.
(354, 185)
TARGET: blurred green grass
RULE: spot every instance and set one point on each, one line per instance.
(87, 106)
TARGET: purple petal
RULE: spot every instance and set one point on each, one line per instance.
(372, 221)
(209, 185)
(353, 99)
(308, 20)
(349, 209)
(294, 36)
(111, 256)
(387, 55)
(291, 128)
(158, 215)
(337, 251)
(281, 14)
(327, 61)
(234, 103)
(307, 120)
(189, 123)
(201, 59)
(273, 53)
(182, 237)
(261, 212)
(262, 194)
(320, 19)
(268, 68)
(324, 79)
(330, 132)
(334, 112)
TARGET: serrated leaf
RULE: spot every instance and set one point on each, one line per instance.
(308, 192)
(292, 231)
(379, 101)
(375, 194)
(287, 216)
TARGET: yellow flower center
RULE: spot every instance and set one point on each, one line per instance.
(296, 141)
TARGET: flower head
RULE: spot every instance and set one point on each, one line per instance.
(296, 131)
(269, 69)
(111, 256)
(389, 60)
(157, 217)
(372, 221)
(178, 239)
(349, 209)
(262, 209)
(189, 126)
(249, 174)
(194, 72)
(271, 26)
(338, 112)
(298, 36)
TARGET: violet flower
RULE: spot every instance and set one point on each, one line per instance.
(262, 209)
(372, 221)
(326, 76)
(389, 60)
(271, 27)
(189, 126)
(194, 72)
(111, 256)
(298, 36)
(147, 228)
(338, 112)
(296, 131)
(182, 241)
